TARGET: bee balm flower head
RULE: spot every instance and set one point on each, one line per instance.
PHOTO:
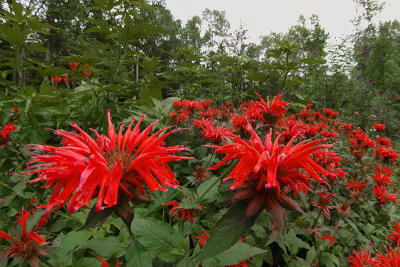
(112, 168)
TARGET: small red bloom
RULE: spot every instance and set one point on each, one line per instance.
(355, 185)
(5, 133)
(379, 126)
(383, 196)
(27, 244)
(56, 80)
(106, 168)
(395, 234)
(105, 263)
(216, 134)
(240, 121)
(202, 238)
(73, 65)
(65, 79)
(182, 212)
(267, 112)
(330, 237)
(383, 176)
(384, 141)
(323, 203)
(387, 154)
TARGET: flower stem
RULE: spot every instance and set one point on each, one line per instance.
(316, 219)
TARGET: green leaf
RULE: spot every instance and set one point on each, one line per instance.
(355, 228)
(74, 239)
(311, 254)
(19, 188)
(209, 188)
(95, 218)
(87, 262)
(227, 231)
(294, 243)
(160, 238)
(185, 262)
(237, 253)
(104, 247)
(33, 220)
(136, 255)
(328, 260)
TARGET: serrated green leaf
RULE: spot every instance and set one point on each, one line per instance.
(328, 260)
(228, 231)
(311, 254)
(294, 243)
(185, 262)
(74, 239)
(104, 247)
(209, 188)
(159, 237)
(33, 220)
(238, 253)
(136, 255)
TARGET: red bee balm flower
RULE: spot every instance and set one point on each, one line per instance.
(266, 112)
(73, 65)
(5, 133)
(182, 212)
(112, 165)
(268, 163)
(27, 244)
(264, 167)
(362, 259)
(395, 234)
(323, 203)
(379, 126)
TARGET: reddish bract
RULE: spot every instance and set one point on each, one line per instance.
(27, 244)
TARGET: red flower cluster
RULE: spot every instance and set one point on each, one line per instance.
(360, 142)
(324, 203)
(379, 126)
(5, 133)
(266, 112)
(56, 80)
(73, 65)
(329, 112)
(264, 167)
(395, 234)
(386, 154)
(85, 72)
(183, 212)
(362, 259)
(214, 134)
(28, 243)
(83, 168)
(391, 259)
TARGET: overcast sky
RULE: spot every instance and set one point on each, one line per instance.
(260, 17)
